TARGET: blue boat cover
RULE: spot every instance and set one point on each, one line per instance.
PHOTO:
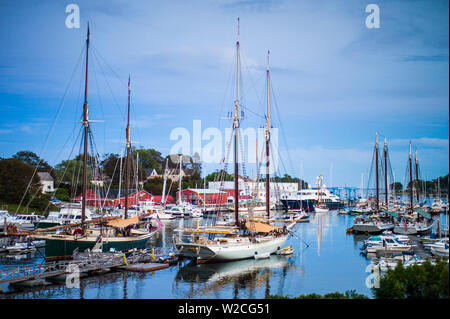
(421, 212)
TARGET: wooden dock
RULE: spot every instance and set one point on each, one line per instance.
(144, 267)
(54, 269)
(87, 263)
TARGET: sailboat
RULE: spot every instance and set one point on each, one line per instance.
(375, 223)
(113, 235)
(412, 223)
(247, 238)
(320, 207)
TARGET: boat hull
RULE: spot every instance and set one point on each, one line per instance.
(60, 247)
(217, 253)
(371, 228)
(297, 204)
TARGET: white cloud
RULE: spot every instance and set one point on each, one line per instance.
(423, 141)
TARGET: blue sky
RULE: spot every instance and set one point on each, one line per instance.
(336, 82)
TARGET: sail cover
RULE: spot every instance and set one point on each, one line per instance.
(258, 227)
(421, 212)
(390, 213)
(122, 223)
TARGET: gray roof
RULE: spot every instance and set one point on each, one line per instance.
(44, 176)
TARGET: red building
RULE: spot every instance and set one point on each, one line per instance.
(204, 196)
(112, 199)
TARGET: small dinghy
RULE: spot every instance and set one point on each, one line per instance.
(38, 243)
(21, 248)
(289, 250)
(262, 256)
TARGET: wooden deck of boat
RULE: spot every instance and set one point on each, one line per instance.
(144, 267)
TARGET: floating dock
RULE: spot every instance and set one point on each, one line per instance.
(144, 267)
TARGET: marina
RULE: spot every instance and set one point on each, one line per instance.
(240, 150)
(324, 258)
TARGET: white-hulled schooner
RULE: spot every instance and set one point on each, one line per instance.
(245, 239)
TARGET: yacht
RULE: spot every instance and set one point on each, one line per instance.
(439, 248)
(67, 215)
(389, 244)
(307, 198)
(26, 221)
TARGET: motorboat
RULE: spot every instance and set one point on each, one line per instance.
(439, 248)
(377, 240)
(435, 243)
(407, 259)
(175, 211)
(26, 221)
(307, 198)
(389, 244)
(289, 250)
(21, 248)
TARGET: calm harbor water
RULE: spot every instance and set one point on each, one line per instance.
(325, 259)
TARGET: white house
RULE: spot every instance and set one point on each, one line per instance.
(282, 188)
(46, 182)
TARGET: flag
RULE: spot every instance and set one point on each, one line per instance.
(159, 222)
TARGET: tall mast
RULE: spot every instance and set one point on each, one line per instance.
(127, 166)
(179, 184)
(137, 178)
(236, 128)
(410, 178)
(86, 132)
(376, 172)
(267, 144)
(257, 170)
(416, 162)
(165, 181)
(385, 174)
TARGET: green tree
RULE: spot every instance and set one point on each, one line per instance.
(70, 172)
(397, 187)
(217, 176)
(32, 159)
(415, 282)
(349, 294)
(149, 158)
(15, 176)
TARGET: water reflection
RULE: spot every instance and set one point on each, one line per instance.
(248, 275)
